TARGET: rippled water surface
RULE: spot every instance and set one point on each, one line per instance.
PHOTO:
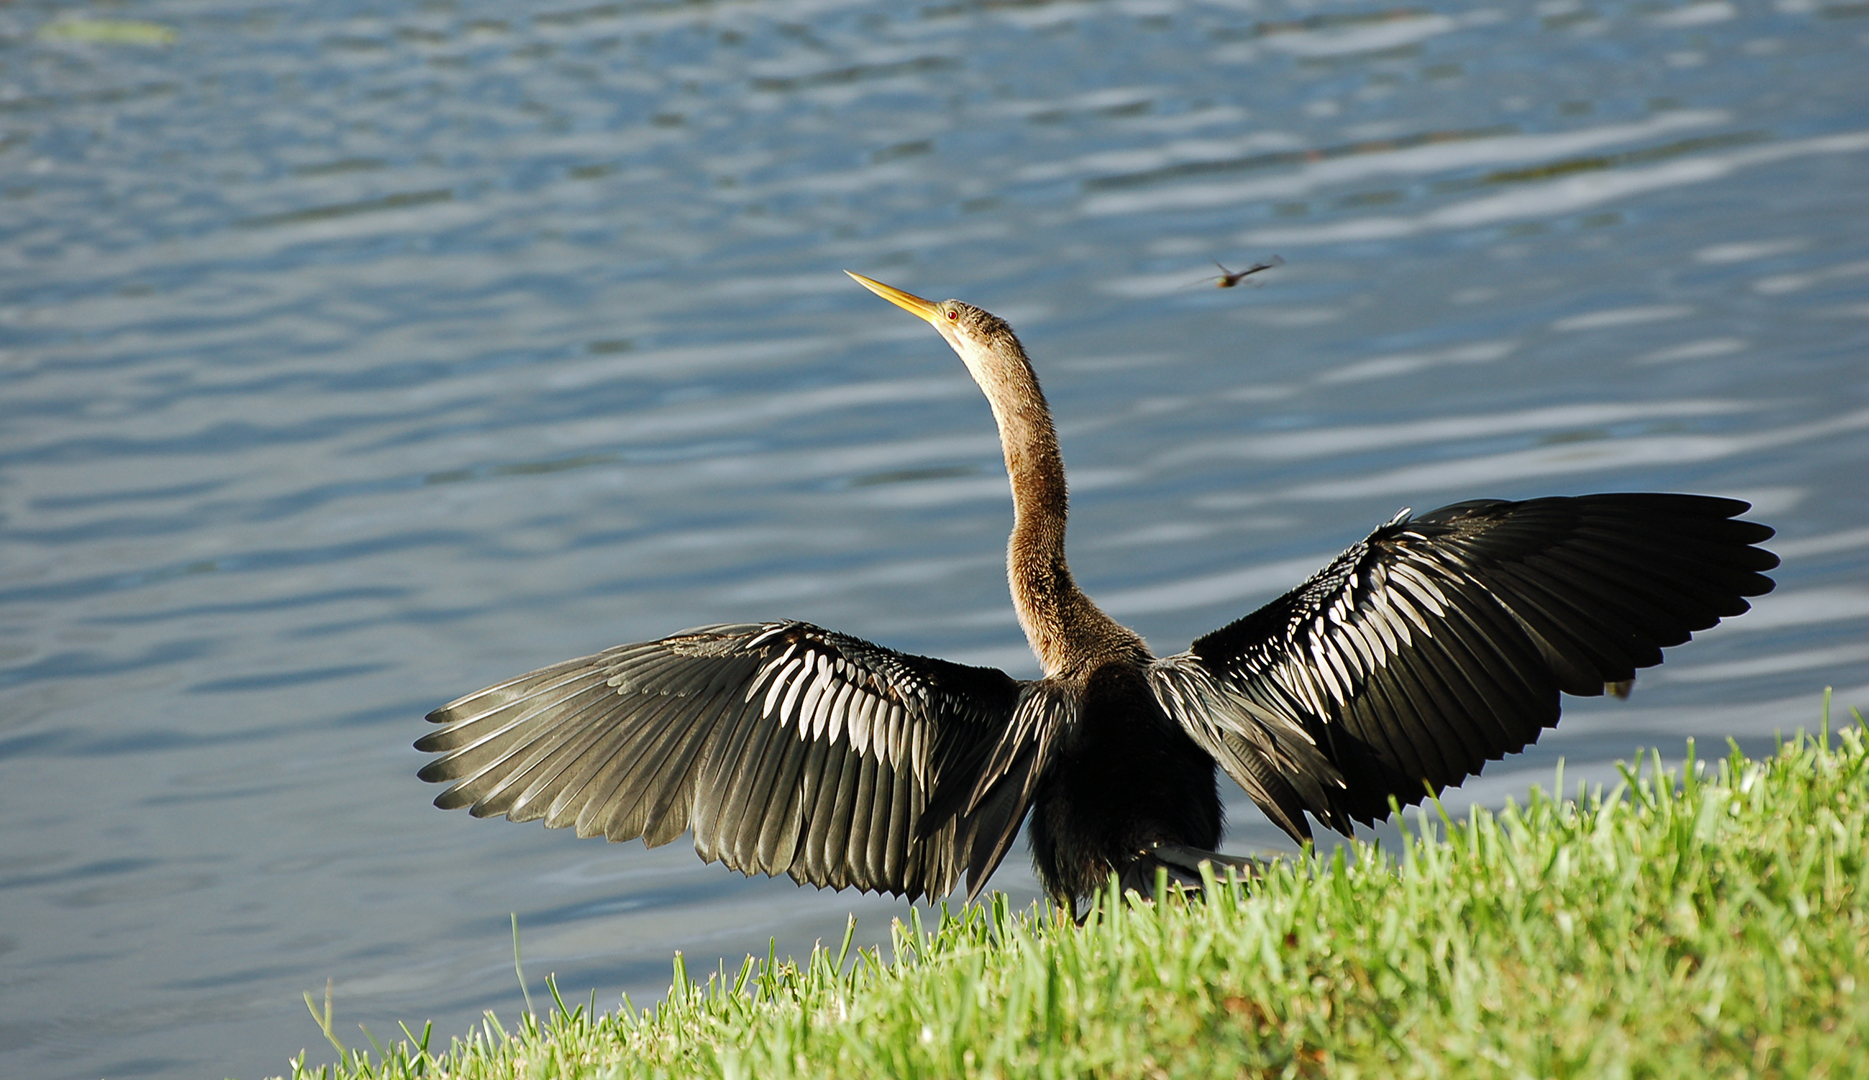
(353, 356)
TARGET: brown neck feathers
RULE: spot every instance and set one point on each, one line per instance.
(1064, 628)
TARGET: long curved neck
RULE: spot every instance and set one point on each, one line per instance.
(1064, 628)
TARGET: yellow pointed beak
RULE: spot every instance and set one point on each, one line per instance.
(908, 302)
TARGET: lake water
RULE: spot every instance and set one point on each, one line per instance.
(356, 355)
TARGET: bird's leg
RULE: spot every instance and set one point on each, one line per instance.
(1183, 863)
(1139, 878)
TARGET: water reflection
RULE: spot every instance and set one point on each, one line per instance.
(356, 357)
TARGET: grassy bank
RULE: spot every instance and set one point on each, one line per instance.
(1704, 923)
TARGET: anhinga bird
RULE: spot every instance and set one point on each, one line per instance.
(1438, 643)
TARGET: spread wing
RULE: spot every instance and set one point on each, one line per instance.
(991, 807)
(785, 747)
(1441, 643)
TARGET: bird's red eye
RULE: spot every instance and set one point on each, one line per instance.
(952, 316)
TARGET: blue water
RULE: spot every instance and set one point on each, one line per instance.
(353, 356)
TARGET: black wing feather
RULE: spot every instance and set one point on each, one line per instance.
(1000, 791)
(785, 747)
(1440, 643)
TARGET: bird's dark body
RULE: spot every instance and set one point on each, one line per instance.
(1434, 645)
(1124, 779)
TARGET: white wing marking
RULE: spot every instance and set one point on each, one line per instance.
(795, 684)
(777, 688)
(814, 683)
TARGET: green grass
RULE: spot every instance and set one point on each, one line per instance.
(1703, 923)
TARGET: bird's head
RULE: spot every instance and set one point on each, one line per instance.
(983, 340)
